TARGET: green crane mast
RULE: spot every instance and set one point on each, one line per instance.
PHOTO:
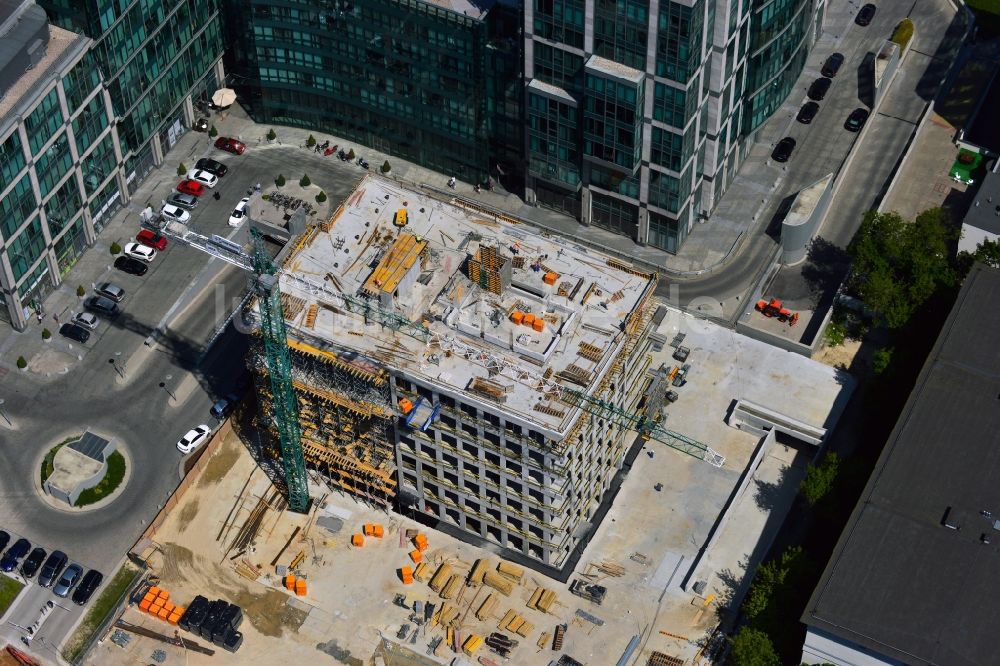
(279, 366)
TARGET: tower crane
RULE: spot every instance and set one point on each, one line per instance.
(275, 337)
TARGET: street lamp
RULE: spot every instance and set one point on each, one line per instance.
(163, 385)
(119, 368)
(5, 415)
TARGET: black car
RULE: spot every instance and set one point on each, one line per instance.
(866, 14)
(783, 150)
(807, 112)
(818, 89)
(131, 266)
(832, 65)
(52, 568)
(14, 555)
(102, 305)
(212, 166)
(4, 540)
(91, 581)
(75, 332)
(856, 120)
(31, 563)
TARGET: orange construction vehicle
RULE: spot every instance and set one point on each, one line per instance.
(775, 308)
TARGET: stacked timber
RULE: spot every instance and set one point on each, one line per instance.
(498, 583)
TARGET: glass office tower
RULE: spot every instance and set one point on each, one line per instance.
(639, 112)
(435, 83)
(59, 156)
(159, 58)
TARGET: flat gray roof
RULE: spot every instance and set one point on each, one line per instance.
(900, 582)
(984, 213)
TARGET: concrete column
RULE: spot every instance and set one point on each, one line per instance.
(157, 148)
(188, 108)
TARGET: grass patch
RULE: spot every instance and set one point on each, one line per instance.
(112, 479)
(987, 17)
(9, 589)
(47, 468)
(99, 610)
(903, 34)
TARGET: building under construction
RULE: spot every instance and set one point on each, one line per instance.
(434, 349)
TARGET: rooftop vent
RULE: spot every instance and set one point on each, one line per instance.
(952, 519)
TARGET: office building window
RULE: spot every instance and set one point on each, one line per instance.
(44, 121)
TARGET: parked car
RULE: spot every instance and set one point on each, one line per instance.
(102, 305)
(140, 252)
(14, 554)
(230, 145)
(807, 112)
(224, 406)
(90, 582)
(4, 540)
(783, 150)
(239, 213)
(32, 562)
(68, 580)
(866, 14)
(86, 319)
(856, 120)
(185, 201)
(150, 238)
(206, 178)
(192, 187)
(832, 65)
(175, 213)
(52, 568)
(817, 91)
(131, 266)
(212, 166)
(194, 438)
(74, 332)
(110, 290)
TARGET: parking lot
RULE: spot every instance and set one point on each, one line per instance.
(27, 608)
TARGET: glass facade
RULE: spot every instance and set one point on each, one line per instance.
(650, 176)
(406, 77)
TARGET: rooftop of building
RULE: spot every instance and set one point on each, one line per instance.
(984, 213)
(495, 310)
(61, 44)
(900, 581)
(983, 130)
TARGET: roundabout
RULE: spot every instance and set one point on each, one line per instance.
(83, 472)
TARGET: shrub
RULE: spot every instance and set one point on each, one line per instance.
(753, 647)
(882, 360)
(819, 479)
(46, 334)
(181, 169)
(22, 363)
(311, 141)
(279, 181)
(80, 291)
(305, 182)
(321, 197)
(903, 34)
(836, 333)
(386, 167)
(271, 135)
(212, 132)
(350, 154)
(116, 249)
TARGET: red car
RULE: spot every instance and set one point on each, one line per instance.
(230, 145)
(192, 187)
(152, 239)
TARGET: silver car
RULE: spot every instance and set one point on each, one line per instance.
(86, 319)
(185, 201)
(68, 580)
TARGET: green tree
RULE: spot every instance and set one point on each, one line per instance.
(279, 181)
(271, 135)
(305, 182)
(752, 647)
(311, 141)
(350, 154)
(116, 248)
(882, 360)
(212, 132)
(836, 333)
(46, 334)
(386, 167)
(819, 479)
(22, 363)
(80, 291)
(181, 169)
(899, 265)
(321, 197)
(770, 576)
(988, 252)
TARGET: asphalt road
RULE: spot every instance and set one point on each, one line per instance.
(823, 145)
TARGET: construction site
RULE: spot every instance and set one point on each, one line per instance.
(467, 368)
(499, 454)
